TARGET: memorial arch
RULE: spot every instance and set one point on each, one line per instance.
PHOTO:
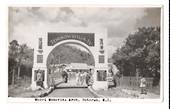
(94, 40)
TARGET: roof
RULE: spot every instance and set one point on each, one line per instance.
(78, 66)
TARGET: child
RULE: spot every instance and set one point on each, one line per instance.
(143, 85)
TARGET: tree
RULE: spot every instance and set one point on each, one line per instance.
(68, 54)
(13, 53)
(22, 56)
(140, 51)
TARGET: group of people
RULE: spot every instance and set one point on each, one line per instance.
(82, 77)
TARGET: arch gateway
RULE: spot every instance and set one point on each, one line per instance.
(95, 40)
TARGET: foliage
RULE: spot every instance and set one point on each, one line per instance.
(68, 54)
(20, 60)
(141, 51)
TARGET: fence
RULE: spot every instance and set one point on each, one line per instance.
(133, 82)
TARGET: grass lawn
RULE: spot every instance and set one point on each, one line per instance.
(129, 92)
(20, 89)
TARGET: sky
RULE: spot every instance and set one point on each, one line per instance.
(26, 22)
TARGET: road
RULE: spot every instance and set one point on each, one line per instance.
(71, 89)
(71, 92)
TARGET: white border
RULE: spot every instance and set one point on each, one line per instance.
(4, 44)
(121, 6)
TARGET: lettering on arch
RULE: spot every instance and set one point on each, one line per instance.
(87, 38)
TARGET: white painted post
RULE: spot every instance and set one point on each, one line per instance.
(45, 78)
(33, 83)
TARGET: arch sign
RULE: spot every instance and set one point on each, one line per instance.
(95, 40)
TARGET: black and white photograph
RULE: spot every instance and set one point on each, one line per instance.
(84, 52)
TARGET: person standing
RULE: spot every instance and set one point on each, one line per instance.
(87, 79)
(143, 85)
(91, 80)
(78, 78)
(65, 76)
(69, 75)
(81, 78)
(51, 79)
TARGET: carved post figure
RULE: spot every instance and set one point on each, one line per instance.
(40, 43)
(39, 79)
